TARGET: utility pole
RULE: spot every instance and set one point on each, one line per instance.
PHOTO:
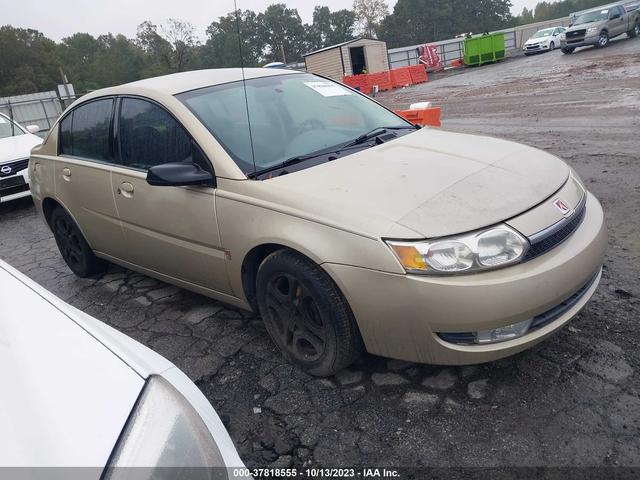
(65, 83)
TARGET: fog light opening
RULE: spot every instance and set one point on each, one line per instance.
(503, 334)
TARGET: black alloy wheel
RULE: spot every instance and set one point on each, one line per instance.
(306, 315)
(73, 247)
(296, 318)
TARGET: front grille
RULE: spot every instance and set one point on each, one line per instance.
(556, 312)
(15, 166)
(549, 239)
(576, 33)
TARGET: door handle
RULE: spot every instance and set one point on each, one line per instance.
(126, 189)
(66, 174)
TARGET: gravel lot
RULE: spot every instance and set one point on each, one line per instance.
(574, 400)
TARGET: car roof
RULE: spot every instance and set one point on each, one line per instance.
(176, 83)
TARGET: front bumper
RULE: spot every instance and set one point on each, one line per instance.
(581, 42)
(14, 186)
(536, 48)
(400, 316)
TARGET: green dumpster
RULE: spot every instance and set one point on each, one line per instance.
(484, 49)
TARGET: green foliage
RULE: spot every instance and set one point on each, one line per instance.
(28, 61)
(558, 9)
(422, 21)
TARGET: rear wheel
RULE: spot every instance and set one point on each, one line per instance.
(568, 50)
(603, 40)
(73, 247)
(306, 315)
(635, 31)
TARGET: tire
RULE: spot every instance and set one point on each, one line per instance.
(603, 40)
(552, 46)
(73, 247)
(635, 31)
(306, 315)
(567, 50)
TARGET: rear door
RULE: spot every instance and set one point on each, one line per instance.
(617, 21)
(169, 230)
(83, 174)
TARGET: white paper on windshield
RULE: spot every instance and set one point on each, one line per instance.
(328, 89)
(2, 120)
(604, 12)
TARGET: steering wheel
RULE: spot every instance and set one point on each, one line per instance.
(310, 124)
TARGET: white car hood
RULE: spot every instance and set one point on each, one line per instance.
(535, 41)
(18, 147)
(65, 396)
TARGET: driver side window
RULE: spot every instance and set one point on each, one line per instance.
(149, 136)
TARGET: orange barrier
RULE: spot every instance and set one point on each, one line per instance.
(457, 63)
(423, 116)
(400, 77)
(418, 74)
(359, 82)
(381, 79)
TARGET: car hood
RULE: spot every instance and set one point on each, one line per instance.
(582, 26)
(66, 396)
(533, 41)
(18, 147)
(427, 184)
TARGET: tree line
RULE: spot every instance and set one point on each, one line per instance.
(31, 62)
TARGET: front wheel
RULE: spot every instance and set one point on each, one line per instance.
(603, 40)
(306, 315)
(73, 247)
(552, 47)
(567, 50)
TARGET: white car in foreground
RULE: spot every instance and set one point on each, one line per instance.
(545, 40)
(77, 393)
(16, 143)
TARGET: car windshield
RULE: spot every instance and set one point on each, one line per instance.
(592, 17)
(543, 33)
(290, 115)
(7, 129)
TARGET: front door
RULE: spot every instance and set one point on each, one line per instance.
(169, 230)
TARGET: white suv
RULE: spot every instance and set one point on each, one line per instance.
(16, 143)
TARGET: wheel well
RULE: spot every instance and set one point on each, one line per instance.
(48, 206)
(249, 270)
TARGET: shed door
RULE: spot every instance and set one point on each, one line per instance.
(358, 62)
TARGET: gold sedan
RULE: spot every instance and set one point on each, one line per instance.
(344, 225)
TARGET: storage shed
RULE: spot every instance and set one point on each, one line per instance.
(349, 58)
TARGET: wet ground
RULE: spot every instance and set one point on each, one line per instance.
(572, 401)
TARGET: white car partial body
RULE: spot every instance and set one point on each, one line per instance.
(543, 41)
(70, 384)
(16, 143)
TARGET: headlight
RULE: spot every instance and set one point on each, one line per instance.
(563, 36)
(592, 29)
(164, 430)
(491, 248)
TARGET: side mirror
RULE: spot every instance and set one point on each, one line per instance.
(178, 174)
(33, 129)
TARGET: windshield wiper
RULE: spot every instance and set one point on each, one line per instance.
(375, 133)
(302, 158)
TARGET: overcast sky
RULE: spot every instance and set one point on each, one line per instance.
(61, 18)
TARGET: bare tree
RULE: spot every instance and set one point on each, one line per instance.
(173, 47)
(369, 15)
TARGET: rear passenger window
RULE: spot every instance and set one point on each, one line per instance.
(85, 131)
(149, 136)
